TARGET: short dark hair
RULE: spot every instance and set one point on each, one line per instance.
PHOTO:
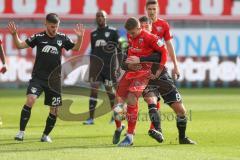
(151, 2)
(52, 18)
(131, 23)
(144, 19)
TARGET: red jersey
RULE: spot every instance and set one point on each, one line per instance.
(161, 28)
(145, 44)
(0, 42)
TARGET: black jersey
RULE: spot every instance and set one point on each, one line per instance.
(49, 52)
(104, 44)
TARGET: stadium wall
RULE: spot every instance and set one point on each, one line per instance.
(206, 35)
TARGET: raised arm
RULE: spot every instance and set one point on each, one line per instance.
(79, 31)
(18, 42)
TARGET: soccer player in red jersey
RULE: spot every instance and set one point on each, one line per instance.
(2, 56)
(141, 43)
(164, 85)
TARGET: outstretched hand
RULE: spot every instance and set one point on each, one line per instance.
(79, 30)
(12, 27)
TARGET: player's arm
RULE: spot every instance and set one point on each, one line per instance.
(18, 42)
(2, 56)
(79, 31)
(154, 57)
(173, 57)
(159, 46)
(168, 40)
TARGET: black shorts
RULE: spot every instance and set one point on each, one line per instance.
(165, 87)
(37, 86)
(106, 75)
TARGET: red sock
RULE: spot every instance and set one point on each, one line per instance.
(158, 107)
(132, 114)
(118, 124)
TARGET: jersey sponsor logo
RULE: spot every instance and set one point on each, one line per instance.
(159, 28)
(107, 34)
(160, 42)
(44, 42)
(59, 42)
(140, 40)
(33, 90)
(50, 49)
(100, 43)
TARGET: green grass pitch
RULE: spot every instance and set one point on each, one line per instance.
(214, 125)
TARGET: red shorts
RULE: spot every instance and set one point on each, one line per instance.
(135, 85)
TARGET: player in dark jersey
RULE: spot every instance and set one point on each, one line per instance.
(164, 84)
(103, 62)
(2, 57)
(49, 44)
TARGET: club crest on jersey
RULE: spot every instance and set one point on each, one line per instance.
(107, 34)
(59, 42)
(140, 40)
(160, 42)
(159, 29)
(33, 90)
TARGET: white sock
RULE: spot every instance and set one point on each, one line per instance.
(130, 136)
(119, 129)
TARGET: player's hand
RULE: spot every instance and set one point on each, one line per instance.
(79, 30)
(133, 60)
(134, 67)
(3, 69)
(12, 27)
(175, 73)
(117, 72)
(157, 74)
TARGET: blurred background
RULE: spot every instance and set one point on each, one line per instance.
(206, 35)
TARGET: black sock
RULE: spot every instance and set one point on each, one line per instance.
(181, 125)
(92, 106)
(25, 116)
(111, 97)
(154, 116)
(50, 123)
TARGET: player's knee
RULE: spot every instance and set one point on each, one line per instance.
(31, 100)
(94, 93)
(132, 99)
(54, 111)
(179, 109)
(150, 100)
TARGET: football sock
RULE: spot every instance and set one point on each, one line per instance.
(50, 123)
(132, 114)
(25, 116)
(118, 125)
(151, 125)
(130, 136)
(158, 105)
(181, 125)
(92, 106)
(111, 97)
(154, 116)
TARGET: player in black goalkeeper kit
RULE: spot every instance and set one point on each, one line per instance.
(103, 62)
(49, 45)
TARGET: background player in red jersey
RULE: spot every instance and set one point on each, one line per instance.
(164, 85)
(2, 56)
(141, 43)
